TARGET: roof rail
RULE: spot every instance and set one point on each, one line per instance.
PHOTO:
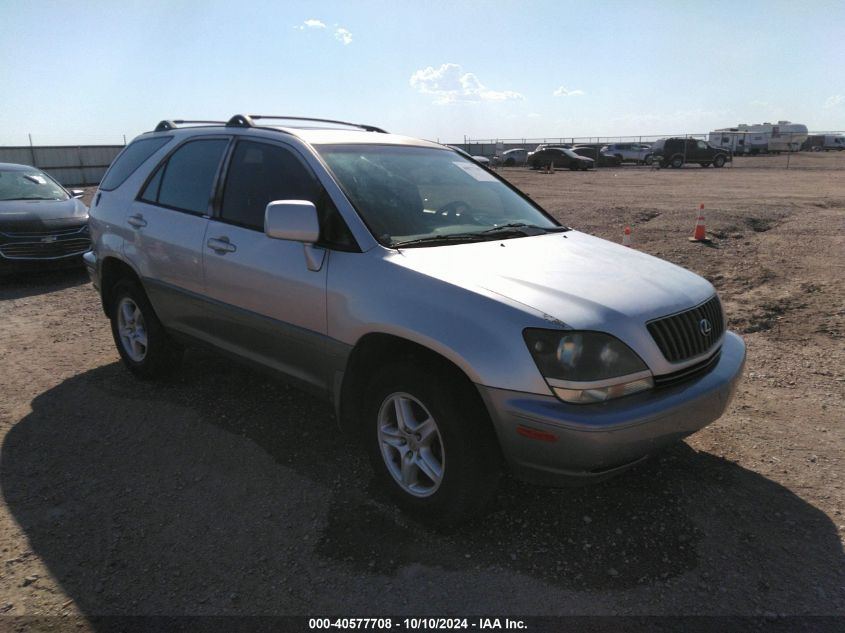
(242, 120)
(166, 125)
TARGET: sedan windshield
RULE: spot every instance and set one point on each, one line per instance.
(29, 185)
(418, 196)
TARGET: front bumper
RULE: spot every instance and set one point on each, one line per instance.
(551, 442)
(43, 247)
(89, 259)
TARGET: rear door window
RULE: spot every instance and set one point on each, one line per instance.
(186, 179)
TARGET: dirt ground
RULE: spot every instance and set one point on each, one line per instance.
(225, 492)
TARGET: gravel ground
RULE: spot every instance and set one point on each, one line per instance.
(225, 492)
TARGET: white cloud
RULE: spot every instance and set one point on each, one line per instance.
(833, 101)
(310, 24)
(450, 84)
(563, 92)
(342, 35)
(761, 104)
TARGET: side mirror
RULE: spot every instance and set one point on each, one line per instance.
(77, 193)
(294, 220)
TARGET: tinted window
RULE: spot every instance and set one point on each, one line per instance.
(260, 173)
(151, 190)
(184, 182)
(130, 159)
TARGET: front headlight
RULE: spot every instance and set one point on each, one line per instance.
(584, 367)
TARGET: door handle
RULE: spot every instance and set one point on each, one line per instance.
(137, 221)
(221, 245)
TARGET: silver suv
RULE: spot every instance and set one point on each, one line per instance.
(457, 327)
(639, 153)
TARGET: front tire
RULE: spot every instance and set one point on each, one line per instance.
(430, 444)
(141, 340)
(677, 162)
(649, 159)
(719, 161)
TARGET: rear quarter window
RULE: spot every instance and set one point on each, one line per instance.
(130, 159)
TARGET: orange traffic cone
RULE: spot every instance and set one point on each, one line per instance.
(626, 237)
(700, 235)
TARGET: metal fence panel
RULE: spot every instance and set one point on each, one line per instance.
(70, 165)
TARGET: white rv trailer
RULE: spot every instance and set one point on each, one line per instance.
(758, 138)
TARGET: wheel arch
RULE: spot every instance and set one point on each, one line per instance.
(113, 270)
(377, 349)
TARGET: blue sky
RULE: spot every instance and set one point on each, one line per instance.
(86, 71)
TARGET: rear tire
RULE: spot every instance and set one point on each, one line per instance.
(430, 443)
(141, 340)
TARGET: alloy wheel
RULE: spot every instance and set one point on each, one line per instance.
(411, 445)
(132, 329)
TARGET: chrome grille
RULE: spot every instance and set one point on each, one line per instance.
(682, 336)
(45, 232)
(45, 250)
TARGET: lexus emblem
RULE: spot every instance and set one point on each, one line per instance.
(705, 327)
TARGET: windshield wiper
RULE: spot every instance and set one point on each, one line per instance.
(533, 228)
(31, 198)
(432, 240)
(514, 229)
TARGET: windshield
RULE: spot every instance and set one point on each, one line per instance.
(29, 185)
(412, 196)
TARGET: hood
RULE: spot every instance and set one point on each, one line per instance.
(580, 280)
(41, 215)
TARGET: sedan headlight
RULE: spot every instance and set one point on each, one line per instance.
(584, 367)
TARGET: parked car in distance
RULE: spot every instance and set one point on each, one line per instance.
(605, 160)
(457, 327)
(675, 152)
(42, 224)
(513, 157)
(543, 146)
(561, 158)
(639, 153)
(481, 160)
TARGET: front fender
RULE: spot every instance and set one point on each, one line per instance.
(477, 330)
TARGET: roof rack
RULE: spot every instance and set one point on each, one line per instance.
(166, 125)
(247, 120)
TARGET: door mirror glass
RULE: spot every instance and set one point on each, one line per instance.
(294, 220)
